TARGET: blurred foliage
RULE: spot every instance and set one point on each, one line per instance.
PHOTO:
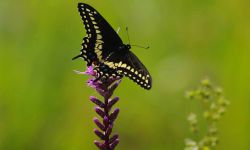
(44, 104)
(214, 106)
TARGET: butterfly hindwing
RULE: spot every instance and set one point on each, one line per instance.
(88, 51)
(126, 63)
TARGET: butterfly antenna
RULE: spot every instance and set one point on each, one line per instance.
(135, 45)
(141, 46)
(127, 35)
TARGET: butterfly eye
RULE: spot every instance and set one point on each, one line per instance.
(128, 46)
(120, 47)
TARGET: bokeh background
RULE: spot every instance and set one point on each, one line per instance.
(44, 105)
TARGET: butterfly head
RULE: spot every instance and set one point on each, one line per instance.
(125, 47)
(128, 46)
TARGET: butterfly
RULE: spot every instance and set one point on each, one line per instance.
(103, 48)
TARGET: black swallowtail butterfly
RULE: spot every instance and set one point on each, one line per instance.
(103, 48)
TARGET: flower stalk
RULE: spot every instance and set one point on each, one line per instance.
(104, 109)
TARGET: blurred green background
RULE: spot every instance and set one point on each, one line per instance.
(44, 105)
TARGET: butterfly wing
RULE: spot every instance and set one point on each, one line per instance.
(126, 63)
(101, 39)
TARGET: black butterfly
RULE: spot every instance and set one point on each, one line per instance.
(103, 48)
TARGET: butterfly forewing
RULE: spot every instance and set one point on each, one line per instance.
(101, 39)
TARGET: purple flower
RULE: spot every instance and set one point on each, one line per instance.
(108, 116)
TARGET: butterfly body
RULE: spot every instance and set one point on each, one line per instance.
(103, 48)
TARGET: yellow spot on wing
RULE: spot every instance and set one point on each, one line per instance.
(100, 46)
(110, 64)
(99, 41)
(120, 63)
(99, 36)
(123, 65)
(96, 27)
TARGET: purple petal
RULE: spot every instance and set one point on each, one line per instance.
(114, 144)
(114, 115)
(106, 121)
(99, 111)
(98, 144)
(97, 101)
(109, 130)
(90, 71)
(91, 83)
(99, 124)
(101, 146)
(114, 86)
(113, 138)
(112, 102)
(99, 134)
